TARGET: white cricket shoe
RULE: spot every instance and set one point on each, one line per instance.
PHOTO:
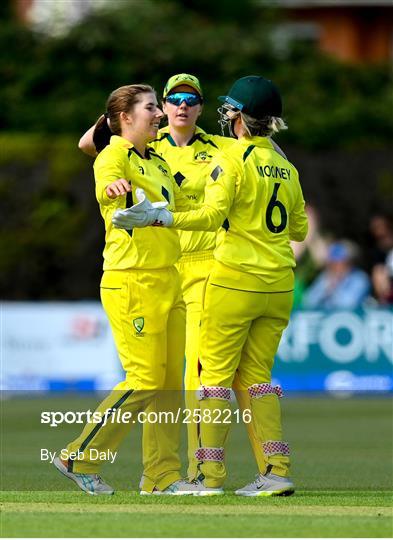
(197, 488)
(92, 484)
(183, 487)
(267, 486)
(180, 487)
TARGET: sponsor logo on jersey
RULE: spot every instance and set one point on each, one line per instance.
(203, 156)
(141, 170)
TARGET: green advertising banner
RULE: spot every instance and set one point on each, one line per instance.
(337, 351)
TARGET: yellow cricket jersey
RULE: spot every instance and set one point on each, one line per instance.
(256, 192)
(148, 248)
(191, 167)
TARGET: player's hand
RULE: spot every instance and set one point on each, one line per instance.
(118, 188)
(164, 218)
(143, 214)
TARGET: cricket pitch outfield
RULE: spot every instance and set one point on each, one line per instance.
(342, 467)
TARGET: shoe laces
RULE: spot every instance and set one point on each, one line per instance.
(90, 477)
(99, 478)
(258, 479)
(198, 480)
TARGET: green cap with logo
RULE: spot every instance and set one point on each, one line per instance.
(182, 78)
(255, 96)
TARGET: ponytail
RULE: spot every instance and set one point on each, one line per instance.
(102, 133)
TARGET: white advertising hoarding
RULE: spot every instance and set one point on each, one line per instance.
(57, 345)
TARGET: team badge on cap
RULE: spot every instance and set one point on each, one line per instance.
(182, 78)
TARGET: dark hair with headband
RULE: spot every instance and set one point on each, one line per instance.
(120, 100)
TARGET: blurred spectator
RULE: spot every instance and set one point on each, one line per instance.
(341, 285)
(310, 255)
(381, 228)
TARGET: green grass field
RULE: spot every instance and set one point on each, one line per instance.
(342, 466)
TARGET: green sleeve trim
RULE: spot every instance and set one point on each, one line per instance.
(248, 152)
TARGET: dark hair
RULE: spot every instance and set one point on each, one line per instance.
(120, 100)
(102, 133)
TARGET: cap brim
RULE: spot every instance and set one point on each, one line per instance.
(185, 82)
(231, 101)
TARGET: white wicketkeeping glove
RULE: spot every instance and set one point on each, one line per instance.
(143, 214)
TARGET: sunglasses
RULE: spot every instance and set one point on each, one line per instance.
(190, 99)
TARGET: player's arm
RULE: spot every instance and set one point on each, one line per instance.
(96, 138)
(109, 173)
(219, 195)
(86, 143)
(298, 222)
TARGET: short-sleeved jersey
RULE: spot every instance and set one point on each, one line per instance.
(191, 167)
(256, 191)
(148, 248)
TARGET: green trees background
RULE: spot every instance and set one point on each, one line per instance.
(340, 120)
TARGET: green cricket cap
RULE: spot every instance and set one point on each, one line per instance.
(182, 78)
(255, 96)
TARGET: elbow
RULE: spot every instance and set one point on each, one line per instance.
(102, 197)
(215, 223)
(213, 226)
(302, 233)
(298, 236)
(302, 236)
(86, 148)
(83, 145)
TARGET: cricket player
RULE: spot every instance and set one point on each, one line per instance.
(141, 294)
(249, 292)
(189, 151)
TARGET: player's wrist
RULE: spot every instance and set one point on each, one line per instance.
(164, 218)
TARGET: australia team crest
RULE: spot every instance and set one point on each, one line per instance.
(139, 324)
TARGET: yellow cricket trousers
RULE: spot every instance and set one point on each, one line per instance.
(147, 317)
(194, 269)
(240, 332)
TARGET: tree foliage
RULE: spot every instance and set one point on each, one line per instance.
(53, 89)
(60, 85)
